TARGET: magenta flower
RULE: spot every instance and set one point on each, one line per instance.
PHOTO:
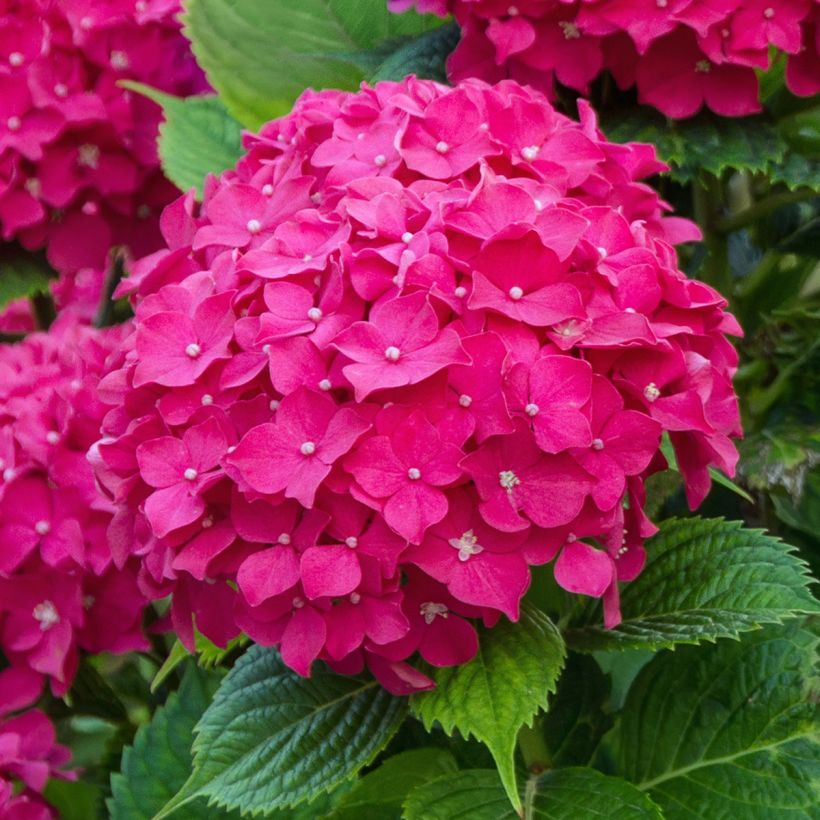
(400, 344)
(407, 468)
(296, 452)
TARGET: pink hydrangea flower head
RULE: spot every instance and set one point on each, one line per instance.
(61, 590)
(446, 355)
(79, 173)
(681, 54)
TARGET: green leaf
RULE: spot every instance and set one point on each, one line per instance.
(22, 274)
(158, 764)
(500, 690)
(424, 56)
(728, 730)
(73, 799)
(272, 739)
(575, 720)
(705, 142)
(379, 795)
(561, 794)
(260, 55)
(197, 138)
(704, 579)
(90, 694)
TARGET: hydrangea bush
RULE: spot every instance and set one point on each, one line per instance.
(79, 172)
(680, 54)
(419, 340)
(368, 464)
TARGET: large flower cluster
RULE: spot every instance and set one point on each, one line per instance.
(61, 589)
(29, 753)
(79, 173)
(419, 340)
(681, 54)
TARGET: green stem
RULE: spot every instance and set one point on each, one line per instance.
(707, 194)
(43, 308)
(533, 748)
(105, 309)
(734, 222)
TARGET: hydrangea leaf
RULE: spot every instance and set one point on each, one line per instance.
(197, 138)
(379, 795)
(704, 579)
(705, 142)
(561, 794)
(500, 690)
(424, 56)
(261, 54)
(272, 739)
(158, 763)
(727, 730)
(22, 274)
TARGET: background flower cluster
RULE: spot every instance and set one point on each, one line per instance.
(79, 173)
(421, 339)
(680, 54)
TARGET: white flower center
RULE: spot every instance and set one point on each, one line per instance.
(46, 613)
(532, 409)
(61, 90)
(442, 147)
(88, 155)
(352, 542)
(207, 400)
(254, 226)
(597, 444)
(516, 293)
(298, 603)
(508, 480)
(355, 597)
(307, 448)
(380, 160)
(119, 60)
(571, 31)
(414, 474)
(315, 314)
(207, 522)
(14, 123)
(530, 152)
(273, 404)
(460, 292)
(651, 392)
(8, 474)
(325, 385)
(464, 400)
(407, 237)
(42, 527)
(768, 13)
(267, 189)
(392, 354)
(429, 610)
(190, 474)
(283, 539)
(193, 350)
(16, 58)
(52, 437)
(467, 545)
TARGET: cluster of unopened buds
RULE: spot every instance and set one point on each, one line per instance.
(29, 752)
(61, 589)
(421, 339)
(79, 172)
(681, 54)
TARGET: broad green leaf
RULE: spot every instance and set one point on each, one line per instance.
(74, 799)
(90, 694)
(561, 794)
(159, 762)
(197, 138)
(500, 690)
(575, 720)
(424, 56)
(22, 274)
(704, 579)
(208, 656)
(705, 142)
(260, 55)
(379, 795)
(272, 739)
(728, 730)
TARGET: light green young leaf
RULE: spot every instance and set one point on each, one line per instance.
(561, 794)
(500, 690)
(728, 730)
(197, 138)
(704, 579)
(260, 55)
(380, 793)
(22, 274)
(272, 739)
